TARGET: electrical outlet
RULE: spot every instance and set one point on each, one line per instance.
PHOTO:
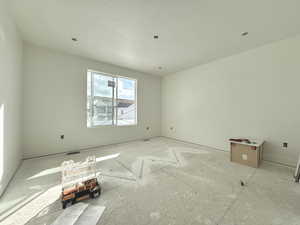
(171, 128)
(285, 145)
(62, 136)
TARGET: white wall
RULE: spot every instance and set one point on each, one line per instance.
(10, 96)
(55, 104)
(253, 94)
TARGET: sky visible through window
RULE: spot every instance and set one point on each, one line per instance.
(101, 86)
(126, 87)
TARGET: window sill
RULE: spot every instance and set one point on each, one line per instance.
(113, 126)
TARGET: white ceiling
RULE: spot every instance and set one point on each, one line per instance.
(191, 32)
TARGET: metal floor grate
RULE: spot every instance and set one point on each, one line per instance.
(73, 153)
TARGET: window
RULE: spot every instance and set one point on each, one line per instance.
(111, 100)
(1, 142)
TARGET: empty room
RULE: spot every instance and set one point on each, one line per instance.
(140, 112)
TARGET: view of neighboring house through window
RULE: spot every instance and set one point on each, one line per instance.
(111, 100)
(126, 101)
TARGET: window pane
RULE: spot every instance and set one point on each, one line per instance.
(102, 111)
(126, 102)
(89, 99)
(101, 85)
(1, 140)
(101, 99)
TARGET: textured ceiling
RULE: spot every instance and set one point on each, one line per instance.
(121, 32)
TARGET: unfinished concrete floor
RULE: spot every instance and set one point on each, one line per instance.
(160, 181)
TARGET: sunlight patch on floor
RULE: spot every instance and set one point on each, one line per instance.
(103, 158)
(32, 208)
(46, 172)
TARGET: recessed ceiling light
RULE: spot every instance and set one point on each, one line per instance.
(74, 39)
(156, 36)
(245, 33)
